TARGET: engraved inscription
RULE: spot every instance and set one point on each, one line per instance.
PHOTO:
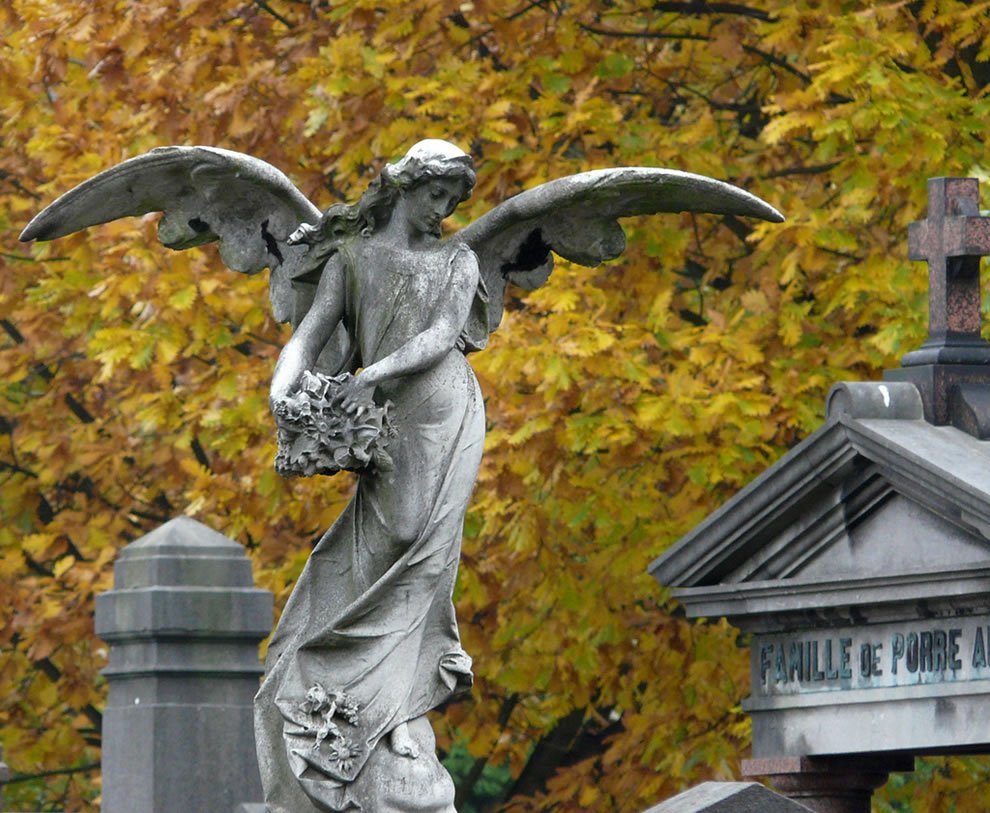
(871, 657)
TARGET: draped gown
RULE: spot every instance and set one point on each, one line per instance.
(372, 614)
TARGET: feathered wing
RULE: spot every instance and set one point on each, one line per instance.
(577, 218)
(206, 194)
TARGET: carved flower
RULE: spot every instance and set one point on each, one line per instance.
(343, 753)
(316, 700)
(324, 706)
(348, 708)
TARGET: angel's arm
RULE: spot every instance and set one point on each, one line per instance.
(303, 349)
(427, 348)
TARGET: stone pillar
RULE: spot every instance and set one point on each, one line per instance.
(828, 784)
(183, 621)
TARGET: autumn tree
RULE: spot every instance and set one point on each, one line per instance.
(624, 403)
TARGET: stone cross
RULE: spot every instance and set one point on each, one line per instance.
(952, 240)
(952, 368)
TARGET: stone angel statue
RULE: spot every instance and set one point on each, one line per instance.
(382, 304)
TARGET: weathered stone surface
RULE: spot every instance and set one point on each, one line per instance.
(184, 622)
(729, 797)
(870, 399)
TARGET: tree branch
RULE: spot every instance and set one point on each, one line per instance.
(525, 9)
(646, 35)
(464, 792)
(265, 7)
(78, 409)
(12, 331)
(772, 59)
(17, 469)
(53, 673)
(27, 777)
(547, 755)
(700, 7)
(780, 62)
(814, 169)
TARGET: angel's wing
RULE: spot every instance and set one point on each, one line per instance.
(577, 217)
(206, 194)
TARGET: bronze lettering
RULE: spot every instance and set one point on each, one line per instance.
(925, 651)
(845, 672)
(979, 650)
(940, 645)
(936, 651)
(794, 668)
(817, 674)
(831, 673)
(954, 662)
(765, 650)
(911, 659)
(896, 651)
(865, 660)
(780, 666)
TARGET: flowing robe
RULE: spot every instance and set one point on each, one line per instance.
(372, 614)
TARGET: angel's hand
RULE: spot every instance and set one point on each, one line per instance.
(356, 393)
(306, 233)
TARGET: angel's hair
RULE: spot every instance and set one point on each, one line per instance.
(427, 159)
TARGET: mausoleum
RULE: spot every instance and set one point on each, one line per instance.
(859, 564)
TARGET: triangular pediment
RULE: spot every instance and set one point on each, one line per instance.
(874, 530)
(857, 499)
(900, 536)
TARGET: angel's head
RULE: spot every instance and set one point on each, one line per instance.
(429, 163)
(432, 159)
(432, 179)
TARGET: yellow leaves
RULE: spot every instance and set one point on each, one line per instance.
(650, 409)
(37, 545)
(659, 313)
(624, 404)
(530, 428)
(792, 324)
(586, 341)
(61, 566)
(199, 473)
(496, 121)
(588, 796)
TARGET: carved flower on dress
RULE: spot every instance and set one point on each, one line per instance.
(316, 700)
(348, 709)
(343, 753)
(323, 706)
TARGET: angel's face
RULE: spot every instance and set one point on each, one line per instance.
(427, 204)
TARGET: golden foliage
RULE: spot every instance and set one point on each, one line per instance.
(625, 403)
